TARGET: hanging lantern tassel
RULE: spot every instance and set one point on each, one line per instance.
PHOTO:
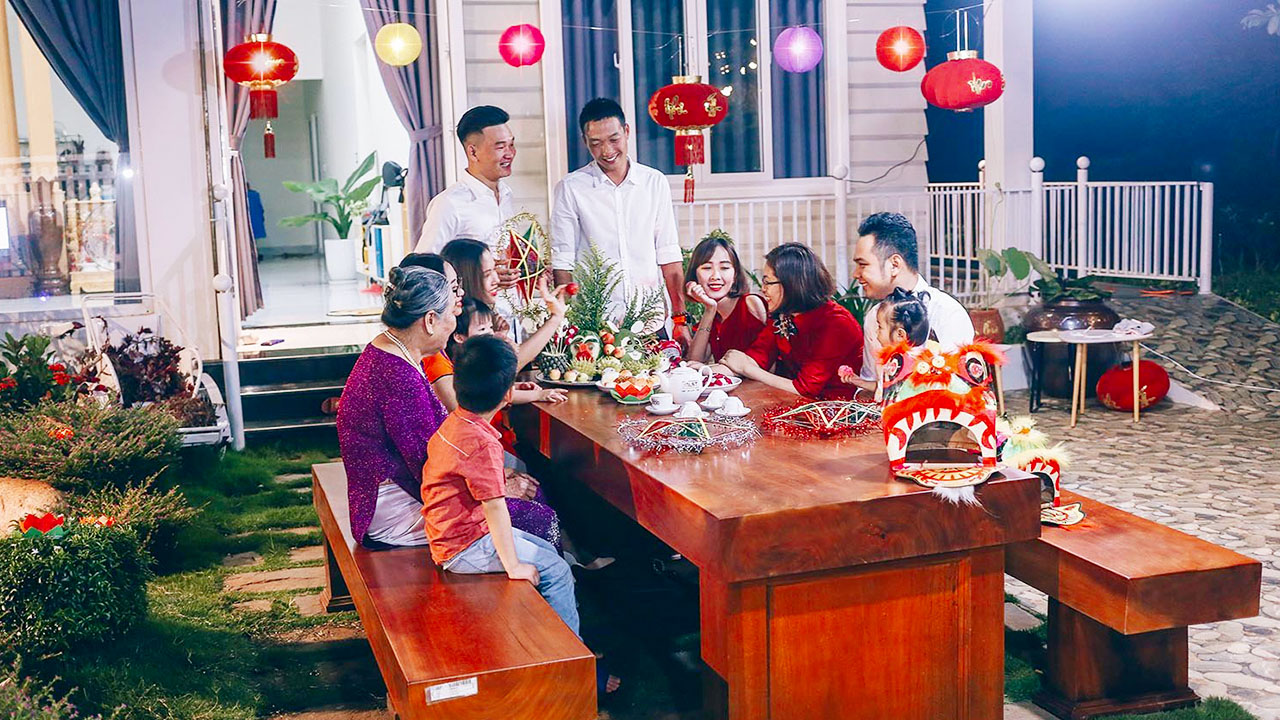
(689, 148)
(269, 141)
(262, 104)
(688, 185)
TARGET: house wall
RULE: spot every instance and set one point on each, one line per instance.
(162, 66)
(885, 108)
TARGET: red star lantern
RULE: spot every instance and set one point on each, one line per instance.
(1115, 387)
(962, 83)
(900, 48)
(261, 65)
(688, 106)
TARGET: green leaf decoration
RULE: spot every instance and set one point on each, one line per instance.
(365, 166)
(1039, 265)
(1018, 263)
(992, 262)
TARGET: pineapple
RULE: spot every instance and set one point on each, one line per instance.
(549, 361)
(586, 369)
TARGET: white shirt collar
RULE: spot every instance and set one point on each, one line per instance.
(479, 189)
(598, 174)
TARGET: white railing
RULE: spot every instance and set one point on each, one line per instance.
(1144, 230)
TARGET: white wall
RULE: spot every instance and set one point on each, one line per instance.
(297, 101)
(171, 191)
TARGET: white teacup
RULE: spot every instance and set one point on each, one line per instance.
(689, 409)
(733, 406)
(717, 398)
(661, 400)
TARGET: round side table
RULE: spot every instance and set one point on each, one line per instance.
(1082, 339)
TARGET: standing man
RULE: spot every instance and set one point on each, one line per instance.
(887, 257)
(624, 208)
(480, 201)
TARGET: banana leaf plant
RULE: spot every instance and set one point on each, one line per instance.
(339, 205)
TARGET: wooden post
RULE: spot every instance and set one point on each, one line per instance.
(1136, 352)
(1035, 238)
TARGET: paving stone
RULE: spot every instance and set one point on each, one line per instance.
(262, 605)
(1015, 618)
(244, 559)
(1025, 711)
(301, 530)
(275, 580)
(311, 553)
(1242, 681)
(291, 478)
(307, 605)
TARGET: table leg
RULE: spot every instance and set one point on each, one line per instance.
(1076, 383)
(1136, 352)
(999, 391)
(919, 639)
(1083, 369)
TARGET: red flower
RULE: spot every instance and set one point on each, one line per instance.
(58, 368)
(61, 378)
(8, 383)
(61, 432)
(100, 521)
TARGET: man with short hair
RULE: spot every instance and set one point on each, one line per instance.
(480, 201)
(624, 208)
(886, 257)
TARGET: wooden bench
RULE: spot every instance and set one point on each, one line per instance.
(451, 646)
(1122, 591)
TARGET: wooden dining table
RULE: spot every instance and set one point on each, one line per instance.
(828, 587)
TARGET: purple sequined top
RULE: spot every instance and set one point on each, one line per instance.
(387, 414)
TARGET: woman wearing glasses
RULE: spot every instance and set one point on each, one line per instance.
(808, 336)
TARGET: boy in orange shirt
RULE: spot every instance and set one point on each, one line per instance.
(463, 484)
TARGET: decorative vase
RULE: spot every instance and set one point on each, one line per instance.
(46, 243)
(1058, 358)
(987, 324)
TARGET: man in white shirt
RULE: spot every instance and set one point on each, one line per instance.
(887, 257)
(480, 201)
(624, 208)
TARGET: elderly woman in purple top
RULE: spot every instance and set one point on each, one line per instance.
(388, 413)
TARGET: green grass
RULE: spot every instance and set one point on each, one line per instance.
(1257, 289)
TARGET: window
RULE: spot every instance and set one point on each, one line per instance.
(628, 49)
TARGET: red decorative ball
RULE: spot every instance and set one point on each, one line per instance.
(900, 48)
(962, 83)
(1115, 387)
(521, 45)
(571, 289)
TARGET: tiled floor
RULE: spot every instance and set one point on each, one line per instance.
(296, 291)
(1215, 475)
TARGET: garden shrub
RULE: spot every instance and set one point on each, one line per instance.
(28, 373)
(60, 593)
(26, 699)
(153, 515)
(80, 445)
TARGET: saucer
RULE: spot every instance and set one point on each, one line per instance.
(707, 406)
(741, 413)
(668, 410)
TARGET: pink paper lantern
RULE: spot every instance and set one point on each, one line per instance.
(521, 45)
(798, 49)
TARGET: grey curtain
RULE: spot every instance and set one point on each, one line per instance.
(241, 18)
(655, 25)
(414, 90)
(81, 41)
(799, 103)
(590, 36)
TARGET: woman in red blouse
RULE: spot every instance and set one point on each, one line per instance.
(809, 337)
(732, 317)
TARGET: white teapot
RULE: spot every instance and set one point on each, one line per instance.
(683, 383)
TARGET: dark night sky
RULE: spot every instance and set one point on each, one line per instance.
(1148, 89)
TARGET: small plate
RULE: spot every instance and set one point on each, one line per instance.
(741, 413)
(702, 414)
(668, 410)
(734, 382)
(707, 406)
(603, 386)
(544, 380)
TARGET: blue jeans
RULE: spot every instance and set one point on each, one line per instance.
(555, 581)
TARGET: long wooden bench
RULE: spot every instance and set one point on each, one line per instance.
(452, 646)
(1122, 591)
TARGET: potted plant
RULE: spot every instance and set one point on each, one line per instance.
(1071, 304)
(1008, 273)
(340, 207)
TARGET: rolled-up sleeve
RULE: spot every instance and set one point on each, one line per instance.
(564, 228)
(439, 227)
(666, 241)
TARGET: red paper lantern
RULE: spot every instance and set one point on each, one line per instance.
(1115, 387)
(962, 83)
(521, 45)
(900, 48)
(688, 106)
(261, 65)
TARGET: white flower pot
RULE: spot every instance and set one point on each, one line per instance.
(340, 258)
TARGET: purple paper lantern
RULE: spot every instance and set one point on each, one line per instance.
(798, 49)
